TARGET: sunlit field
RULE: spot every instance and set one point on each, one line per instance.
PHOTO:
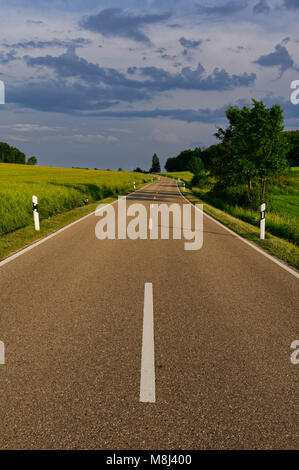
(58, 190)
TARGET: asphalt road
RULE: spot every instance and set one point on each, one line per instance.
(71, 318)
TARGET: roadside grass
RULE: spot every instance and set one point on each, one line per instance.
(58, 190)
(64, 205)
(282, 225)
(18, 239)
(282, 229)
(183, 175)
(278, 247)
(282, 219)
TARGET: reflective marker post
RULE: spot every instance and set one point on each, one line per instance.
(262, 222)
(35, 213)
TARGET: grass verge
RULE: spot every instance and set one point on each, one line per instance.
(20, 238)
(278, 247)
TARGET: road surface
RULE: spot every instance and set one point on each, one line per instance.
(223, 319)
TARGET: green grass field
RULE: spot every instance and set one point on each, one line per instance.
(58, 190)
(183, 175)
(283, 218)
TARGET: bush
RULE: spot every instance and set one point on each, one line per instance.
(241, 196)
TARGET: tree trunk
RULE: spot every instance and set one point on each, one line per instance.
(249, 181)
(263, 188)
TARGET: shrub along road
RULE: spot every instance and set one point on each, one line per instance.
(72, 323)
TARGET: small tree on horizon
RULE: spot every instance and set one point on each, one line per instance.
(156, 168)
(32, 161)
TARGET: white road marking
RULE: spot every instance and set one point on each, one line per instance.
(262, 252)
(2, 353)
(48, 237)
(147, 380)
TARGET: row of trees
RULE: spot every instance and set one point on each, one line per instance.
(252, 148)
(10, 154)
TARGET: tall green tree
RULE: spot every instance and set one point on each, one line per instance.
(253, 145)
(196, 167)
(156, 168)
(259, 142)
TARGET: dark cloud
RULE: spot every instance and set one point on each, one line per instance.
(119, 23)
(261, 7)
(286, 40)
(291, 4)
(205, 115)
(69, 65)
(280, 58)
(78, 85)
(7, 57)
(189, 43)
(58, 96)
(189, 79)
(225, 9)
(77, 42)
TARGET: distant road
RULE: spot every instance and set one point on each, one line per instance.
(122, 344)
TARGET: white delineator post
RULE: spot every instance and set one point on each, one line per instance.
(262, 222)
(134, 185)
(35, 213)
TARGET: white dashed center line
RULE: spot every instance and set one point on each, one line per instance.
(147, 381)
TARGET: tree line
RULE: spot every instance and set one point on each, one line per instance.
(9, 154)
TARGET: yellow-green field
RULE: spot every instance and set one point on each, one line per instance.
(58, 190)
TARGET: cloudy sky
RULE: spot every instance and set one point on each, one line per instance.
(106, 83)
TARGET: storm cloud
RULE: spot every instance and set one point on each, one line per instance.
(226, 9)
(119, 23)
(280, 58)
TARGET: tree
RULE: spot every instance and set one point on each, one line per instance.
(259, 142)
(293, 153)
(156, 168)
(181, 162)
(32, 161)
(195, 165)
(253, 145)
(120, 169)
(227, 166)
(138, 170)
(10, 154)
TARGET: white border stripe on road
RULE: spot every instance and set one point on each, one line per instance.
(262, 252)
(43, 240)
(147, 380)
